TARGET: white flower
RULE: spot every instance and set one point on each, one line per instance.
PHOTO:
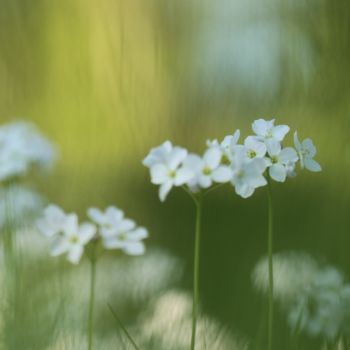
(21, 148)
(306, 152)
(117, 232)
(207, 169)
(52, 222)
(72, 239)
(280, 160)
(226, 146)
(254, 148)
(247, 175)
(266, 131)
(166, 169)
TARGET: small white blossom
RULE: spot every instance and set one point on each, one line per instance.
(166, 168)
(72, 239)
(247, 175)
(254, 148)
(306, 152)
(207, 169)
(118, 232)
(266, 130)
(21, 148)
(281, 160)
(52, 221)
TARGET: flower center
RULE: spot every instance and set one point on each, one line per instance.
(251, 154)
(122, 236)
(269, 134)
(206, 171)
(73, 239)
(172, 174)
(274, 159)
(225, 160)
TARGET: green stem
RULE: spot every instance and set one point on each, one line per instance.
(92, 298)
(270, 258)
(198, 203)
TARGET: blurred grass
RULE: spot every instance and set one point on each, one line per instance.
(108, 80)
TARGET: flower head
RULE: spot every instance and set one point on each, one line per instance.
(306, 152)
(118, 232)
(281, 161)
(166, 168)
(267, 131)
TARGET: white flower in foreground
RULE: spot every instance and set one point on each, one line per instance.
(207, 169)
(254, 148)
(267, 131)
(166, 169)
(117, 232)
(306, 152)
(247, 175)
(281, 160)
(73, 239)
(23, 147)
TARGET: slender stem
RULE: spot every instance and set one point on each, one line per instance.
(270, 258)
(92, 297)
(196, 271)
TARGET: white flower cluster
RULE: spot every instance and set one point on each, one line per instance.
(21, 148)
(245, 166)
(110, 227)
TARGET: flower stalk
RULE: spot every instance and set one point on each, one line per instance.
(198, 203)
(93, 260)
(270, 264)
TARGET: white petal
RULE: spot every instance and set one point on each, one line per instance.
(273, 147)
(59, 245)
(288, 154)
(297, 143)
(251, 143)
(114, 214)
(278, 172)
(176, 157)
(96, 215)
(279, 132)
(204, 181)
(86, 232)
(212, 157)
(222, 174)
(75, 253)
(183, 176)
(134, 248)
(309, 146)
(126, 225)
(312, 165)
(159, 174)
(157, 154)
(138, 234)
(243, 189)
(261, 126)
(113, 243)
(235, 137)
(164, 189)
(71, 224)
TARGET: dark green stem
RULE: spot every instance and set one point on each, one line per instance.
(92, 297)
(198, 203)
(270, 259)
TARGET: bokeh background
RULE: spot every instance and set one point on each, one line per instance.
(107, 80)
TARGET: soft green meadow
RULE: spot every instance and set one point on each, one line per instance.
(104, 82)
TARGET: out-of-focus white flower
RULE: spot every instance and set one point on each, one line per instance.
(207, 169)
(118, 232)
(165, 163)
(21, 148)
(73, 239)
(19, 206)
(254, 148)
(306, 152)
(247, 175)
(168, 326)
(293, 272)
(281, 160)
(266, 130)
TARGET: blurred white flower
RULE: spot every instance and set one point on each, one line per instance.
(73, 239)
(266, 130)
(281, 160)
(306, 152)
(247, 175)
(166, 169)
(207, 169)
(52, 221)
(19, 206)
(21, 148)
(118, 232)
(168, 325)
